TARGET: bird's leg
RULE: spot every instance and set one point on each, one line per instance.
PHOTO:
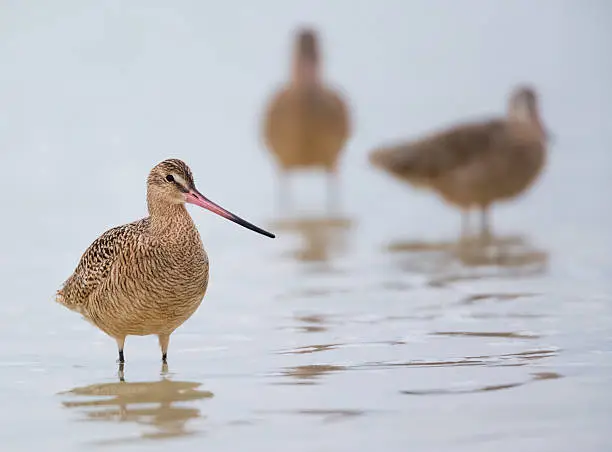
(333, 193)
(120, 373)
(164, 340)
(465, 240)
(164, 369)
(120, 345)
(485, 226)
(465, 225)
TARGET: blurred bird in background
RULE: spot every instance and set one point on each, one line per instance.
(306, 124)
(475, 164)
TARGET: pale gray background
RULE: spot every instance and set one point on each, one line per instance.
(93, 94)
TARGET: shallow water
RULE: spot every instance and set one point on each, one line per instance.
(369, 328)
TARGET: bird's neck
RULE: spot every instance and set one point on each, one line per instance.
(305, 73)
(534, 128)
(529, 119)
(169, 218)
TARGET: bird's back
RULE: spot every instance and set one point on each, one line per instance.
(306, 127)
(97, 261)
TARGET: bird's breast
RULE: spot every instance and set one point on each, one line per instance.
(176, 270)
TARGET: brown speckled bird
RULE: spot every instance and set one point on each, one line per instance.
(149, 276)
(475, 164)
(307, 123)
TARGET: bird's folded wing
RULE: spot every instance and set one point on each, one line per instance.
(439, 153)
(96, 263)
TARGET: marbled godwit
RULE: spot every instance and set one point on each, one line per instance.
(149, 276)
(475, 164)
(307, 123)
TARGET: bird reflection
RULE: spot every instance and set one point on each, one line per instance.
(322, 238)
(149, 404)
(310, 374)
(446, 262)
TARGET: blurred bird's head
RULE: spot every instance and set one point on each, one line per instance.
(523, 107)
(306, 58)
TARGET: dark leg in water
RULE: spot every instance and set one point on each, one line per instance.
(120, 373)
(164, 340)
(120, 345)
(164, 369)
(121, 360)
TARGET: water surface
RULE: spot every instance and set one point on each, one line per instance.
(366, 328)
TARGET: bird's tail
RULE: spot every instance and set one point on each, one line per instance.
(59, 297)
(404, 161)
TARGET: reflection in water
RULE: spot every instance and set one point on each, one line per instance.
(448, 262)
(487, 388)
(310, 349)
(307, 375)
(500, 334)
(151, 404)
(479, 298)
(322, 237)
(313, 323)
(310, 374)
(314, 292)
(509, 359)
(331, 415)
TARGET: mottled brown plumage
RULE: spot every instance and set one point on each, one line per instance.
(475, 164)
(149, 276)
(307, 123)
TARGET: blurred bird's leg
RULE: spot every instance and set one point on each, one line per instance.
(333, 192)
(465, 225)
(164, 340)
(465, 240)
(485, 224)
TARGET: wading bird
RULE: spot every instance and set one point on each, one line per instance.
(149, 276)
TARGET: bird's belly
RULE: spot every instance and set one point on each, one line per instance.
(146, 316)
(485, 183)
(157, 307)
(307, 138)
(160, 317)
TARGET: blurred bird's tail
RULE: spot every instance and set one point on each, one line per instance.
(403, 161)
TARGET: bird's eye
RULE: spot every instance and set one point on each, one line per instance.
(170, 178)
